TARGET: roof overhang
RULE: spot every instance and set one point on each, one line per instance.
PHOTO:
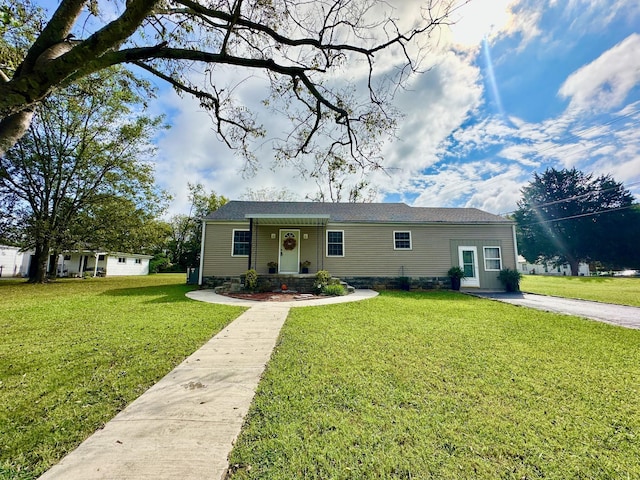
(288, 219)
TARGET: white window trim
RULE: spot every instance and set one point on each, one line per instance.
(484, 254)
(233, 241)
(327, 244)
(410, 239)
(122, 260)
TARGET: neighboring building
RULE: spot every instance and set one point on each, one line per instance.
(13, 262)
(549, 268)
(364, 244)
(111, 264)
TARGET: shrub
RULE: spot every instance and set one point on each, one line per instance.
(322, 279)
(510, 279)
(250, 280)
(404, 283)
(159, 263)
(335, 290)
(455, 272)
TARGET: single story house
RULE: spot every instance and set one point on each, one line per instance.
(364, 244)
(112, 264)
(550, 268)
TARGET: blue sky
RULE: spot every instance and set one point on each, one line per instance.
(513, 88)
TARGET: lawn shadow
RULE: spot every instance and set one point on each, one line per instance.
(160, 294)
(428, 295)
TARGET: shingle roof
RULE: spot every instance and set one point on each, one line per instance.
(355, 212)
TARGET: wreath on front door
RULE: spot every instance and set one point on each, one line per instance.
(289, 243)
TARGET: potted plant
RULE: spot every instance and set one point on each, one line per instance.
(305, 266)
(510, 279)
(456, 274)
(272, 267)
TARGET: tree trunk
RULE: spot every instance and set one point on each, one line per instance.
(574, 264)
(41, 258)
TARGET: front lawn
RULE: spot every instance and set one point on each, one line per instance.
(622, 291)
(73, 353)
(444, 386)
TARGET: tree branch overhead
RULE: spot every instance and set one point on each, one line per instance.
(310, 52)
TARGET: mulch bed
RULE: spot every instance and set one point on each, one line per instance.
(273, 296)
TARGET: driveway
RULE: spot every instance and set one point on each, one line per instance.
(620, 315)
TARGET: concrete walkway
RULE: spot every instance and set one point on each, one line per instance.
(185, 425)
(620, 315)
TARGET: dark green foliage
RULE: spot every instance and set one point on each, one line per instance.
(571, 217)
(404, 283)
(510, 279)
(159, 263)
(455, 272)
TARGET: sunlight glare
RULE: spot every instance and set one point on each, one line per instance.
(479, 19)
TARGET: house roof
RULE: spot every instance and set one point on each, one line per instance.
(321, 213)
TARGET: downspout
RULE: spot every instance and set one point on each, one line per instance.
(202, 238)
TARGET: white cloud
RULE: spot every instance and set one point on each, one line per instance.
(605, 83)
(488, 185)
(437, 103)
(480, 18)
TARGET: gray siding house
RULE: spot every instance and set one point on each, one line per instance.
(365, 244)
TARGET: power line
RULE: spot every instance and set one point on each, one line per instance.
(575, 197)
(581, 215)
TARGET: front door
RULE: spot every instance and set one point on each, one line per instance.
(468, 257)
(289, 251)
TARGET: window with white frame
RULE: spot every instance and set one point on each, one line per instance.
(241, 243)
(402, 240)
(335, 243)
(492, 259)
(122, 260)
(138, 261)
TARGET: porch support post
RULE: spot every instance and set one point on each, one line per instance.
(250, 242)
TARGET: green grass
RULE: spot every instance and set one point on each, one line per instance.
(444, 386)
(75, 352)
(622, 291)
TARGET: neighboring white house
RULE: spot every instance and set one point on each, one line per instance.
(13, 262)
(549, 268)
(112, 264)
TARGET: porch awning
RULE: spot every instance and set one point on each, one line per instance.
(288, 219)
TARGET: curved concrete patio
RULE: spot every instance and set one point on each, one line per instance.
(185, 425)
(212, 297)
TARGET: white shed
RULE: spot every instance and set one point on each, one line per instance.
(13, 262)
(112, 264)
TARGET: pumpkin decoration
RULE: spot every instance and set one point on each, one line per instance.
(289, 243)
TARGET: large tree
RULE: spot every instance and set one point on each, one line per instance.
(331, 67)
(570, 217)
(86, 153)
(186, 230)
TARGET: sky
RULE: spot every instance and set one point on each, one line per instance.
(515, 88)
